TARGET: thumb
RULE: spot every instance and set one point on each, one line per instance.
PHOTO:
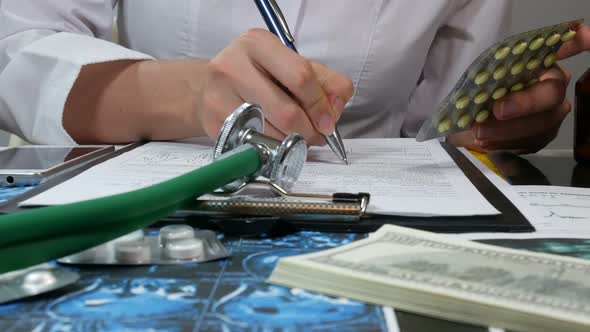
(465, 139)
(581, 43)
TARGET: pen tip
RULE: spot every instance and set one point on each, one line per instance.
(345, 160)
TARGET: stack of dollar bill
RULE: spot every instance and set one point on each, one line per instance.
(445, 277)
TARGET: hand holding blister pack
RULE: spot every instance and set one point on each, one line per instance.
(509, 66)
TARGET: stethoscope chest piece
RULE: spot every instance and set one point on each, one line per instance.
(282, 161)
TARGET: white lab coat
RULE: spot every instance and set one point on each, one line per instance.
(402, 55)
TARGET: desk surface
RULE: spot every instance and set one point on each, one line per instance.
(231, 294)
(227, 295)
(553, 167)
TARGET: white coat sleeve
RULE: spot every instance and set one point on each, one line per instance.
(472, 27)
(43, 46)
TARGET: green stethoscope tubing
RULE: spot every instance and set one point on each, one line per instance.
(40, 235)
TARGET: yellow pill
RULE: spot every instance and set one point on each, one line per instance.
(462, 102)
(482, 77)
(482, 116)
(533, 82)
(502, 53)
(500, 73)
(533, 64)
(464, 121)
(517, 87)
(553, 39)
(444, 125)
(537, 43)
(519, 48)
(499, 93)
(517, 68)
(550, 60)
(571, 34)
(481, 98)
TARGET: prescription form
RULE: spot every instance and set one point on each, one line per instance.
(403, 176)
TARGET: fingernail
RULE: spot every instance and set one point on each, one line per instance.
(337, 104)
(481, 146)
(326, 124)
(482, 133)
(508, 109)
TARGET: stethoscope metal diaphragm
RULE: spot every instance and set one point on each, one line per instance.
(283, 161)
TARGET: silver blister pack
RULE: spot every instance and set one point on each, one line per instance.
(509, 66)
(33, 281)
(173, 244)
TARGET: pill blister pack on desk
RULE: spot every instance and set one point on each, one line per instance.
(509, 66)
(33, 281)
(173, 244)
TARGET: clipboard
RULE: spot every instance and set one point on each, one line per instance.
(355, 220)
(510, 219)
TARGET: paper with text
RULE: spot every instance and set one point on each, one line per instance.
(555, 212)
(141, 167)
(562, 212)
(404, 177)
(562, 209)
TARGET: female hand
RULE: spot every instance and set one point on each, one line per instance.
(527, 121)
(297, 95)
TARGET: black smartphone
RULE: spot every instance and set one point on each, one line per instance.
(31, 165)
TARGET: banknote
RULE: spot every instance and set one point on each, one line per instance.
(449, 278)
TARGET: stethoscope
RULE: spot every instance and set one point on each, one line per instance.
(242, 154)
(282, 160)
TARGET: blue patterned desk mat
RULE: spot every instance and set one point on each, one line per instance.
(226, 295)
(8, 193)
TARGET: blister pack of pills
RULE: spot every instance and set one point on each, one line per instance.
(173, 244)
(33, 281)
(509, 66)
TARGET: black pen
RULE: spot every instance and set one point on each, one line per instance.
(276, 23)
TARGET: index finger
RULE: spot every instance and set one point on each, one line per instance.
(296, 74)
(546, 95)
(581, 43)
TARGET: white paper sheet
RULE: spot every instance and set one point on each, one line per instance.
(141, 167)
(563, 209)
(555, 212)
(390, 319)
(404, 177)
(563, 212)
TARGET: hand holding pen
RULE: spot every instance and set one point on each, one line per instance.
(297, 95)
(276, 23)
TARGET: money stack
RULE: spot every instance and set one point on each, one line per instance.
(448, 278)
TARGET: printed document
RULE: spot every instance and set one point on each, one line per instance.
(555, 212)
(404, 177)
(562, 209)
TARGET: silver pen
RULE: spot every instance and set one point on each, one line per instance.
(276, 23)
